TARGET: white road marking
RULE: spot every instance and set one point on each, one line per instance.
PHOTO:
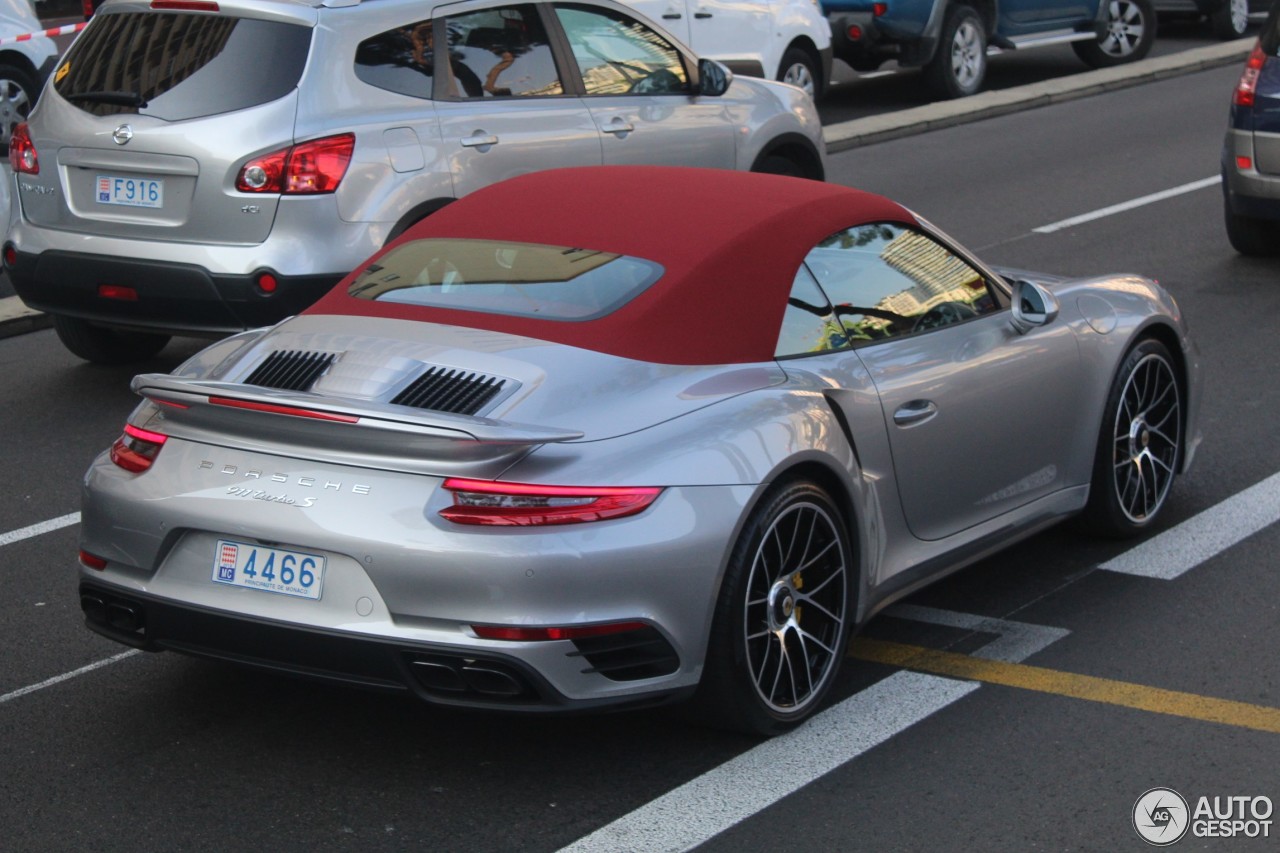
(731, 793)
(1017, 641)
(58, 679)
(1202, 537)
(37, 529)
(1128, 205)
(721, 798)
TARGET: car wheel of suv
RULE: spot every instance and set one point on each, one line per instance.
(782, 617)
(1129, 34)
(1230, 20)
(1256, 238)
(17, 96)
(106, 346)
(960, 64)
(799, 69)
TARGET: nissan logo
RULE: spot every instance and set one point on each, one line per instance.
(122, 134)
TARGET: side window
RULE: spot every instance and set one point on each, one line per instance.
(618, 55)
(398, 60)
(808, 325)
(886, 280)
(497, 53)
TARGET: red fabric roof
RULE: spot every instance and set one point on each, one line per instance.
(730, 243)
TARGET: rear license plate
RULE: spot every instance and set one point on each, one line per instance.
(269, 569)
(130, 192)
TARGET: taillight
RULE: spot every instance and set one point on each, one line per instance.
(22, 151)
(185, 5)
(572, 632)
(494, 503)
(1247, 88)
(92, 561)
(308, 168)
(137, 448)
(878, 9)
(87, 8)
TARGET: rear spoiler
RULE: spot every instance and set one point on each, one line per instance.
(347, 432)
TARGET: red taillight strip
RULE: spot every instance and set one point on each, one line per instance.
(596, 503)
(1247, 88)
(136, 450)
(186, 5)
(145, 435)
(283, 410)
(92, 561)
(522, 634)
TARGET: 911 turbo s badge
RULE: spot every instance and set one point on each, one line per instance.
(276, 477)
(260, 495)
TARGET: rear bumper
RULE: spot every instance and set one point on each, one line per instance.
(875, 44)
(170, 297)
(1248, 191)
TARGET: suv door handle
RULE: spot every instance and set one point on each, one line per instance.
(702, 16)
(479, 139)
(672, 16)
(618, 126)
(914, 412)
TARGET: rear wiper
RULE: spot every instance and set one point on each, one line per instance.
(123, 99)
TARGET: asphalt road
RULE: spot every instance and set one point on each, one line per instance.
(159, 752)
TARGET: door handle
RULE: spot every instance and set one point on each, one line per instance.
(914, 412)
(618, 126)
(479, 139)
(702, 16)
(672, 16)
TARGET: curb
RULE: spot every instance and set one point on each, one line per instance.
(881, 128)
(17, 319)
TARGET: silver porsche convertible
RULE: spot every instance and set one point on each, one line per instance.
(608, 437)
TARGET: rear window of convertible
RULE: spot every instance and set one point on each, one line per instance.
(176, 66)
(515, 279)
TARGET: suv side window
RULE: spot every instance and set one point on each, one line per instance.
(496, 53)
(398, 60)
(809, 325)
(887, 280)
(619, 55)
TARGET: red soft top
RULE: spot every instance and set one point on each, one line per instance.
(730, 244)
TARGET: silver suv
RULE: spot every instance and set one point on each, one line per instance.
(202, 168)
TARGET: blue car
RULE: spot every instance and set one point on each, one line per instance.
(950, 39)
(1251, 151)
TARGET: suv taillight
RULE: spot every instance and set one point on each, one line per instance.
(22, 151)
(308, 168)
(1247, 88)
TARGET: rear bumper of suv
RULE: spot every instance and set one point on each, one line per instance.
(158, 296)
(1249, 192)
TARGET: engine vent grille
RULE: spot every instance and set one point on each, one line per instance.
(291, 370)
(458, 392)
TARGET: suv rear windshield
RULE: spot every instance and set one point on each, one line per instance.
(178, 66)
(516, 279)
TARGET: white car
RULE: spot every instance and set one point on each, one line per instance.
(787, 40)
(24, 65)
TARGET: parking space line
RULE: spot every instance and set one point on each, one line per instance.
(58, 679)
(729, 794)
(37, 529)
(1201, 537)
(1090, 688)
(1127, 205)
(1016, 642)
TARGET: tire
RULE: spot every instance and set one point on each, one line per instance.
(764, 672)
(1130, 32)
(18, 93)
(1139, 444)
(799, 68)
(1230, 20)
(1255, 238)
(960, 64)
(101, 345)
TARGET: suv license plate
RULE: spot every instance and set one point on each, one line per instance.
(269, 569)
(130, 192)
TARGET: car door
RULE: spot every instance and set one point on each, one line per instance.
(637, 88)
(501, 99)
(981, 419)
(735, 31)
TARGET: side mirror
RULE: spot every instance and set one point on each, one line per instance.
(1033, 306)
(713, 78)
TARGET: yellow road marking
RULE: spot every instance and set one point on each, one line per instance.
(1087, 687)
